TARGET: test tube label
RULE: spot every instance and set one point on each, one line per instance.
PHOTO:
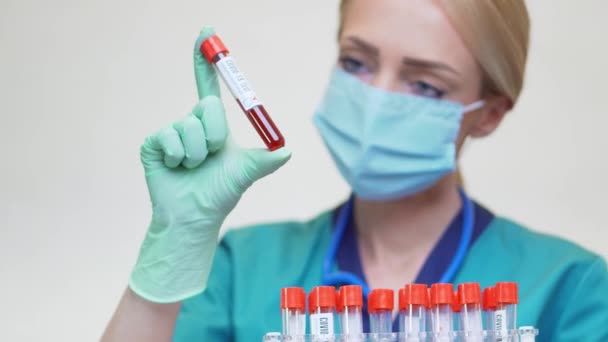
(237, 83)
(500, 323)
(322, 325)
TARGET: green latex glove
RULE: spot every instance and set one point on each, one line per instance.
(196, 175)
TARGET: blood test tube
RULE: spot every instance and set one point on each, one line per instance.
(469, 298)
(217, 54)
(380, 305)
(350, 302)
(489, 307)
(321, 306)
(505, 318)
(456, 314)
(441, 301)
(293, 311)
(339, 310)
(413, 303)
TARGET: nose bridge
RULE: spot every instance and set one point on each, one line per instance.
(386, 79)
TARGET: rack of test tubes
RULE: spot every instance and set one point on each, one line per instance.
(439, 313)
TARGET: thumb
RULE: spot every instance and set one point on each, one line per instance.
(261, 162)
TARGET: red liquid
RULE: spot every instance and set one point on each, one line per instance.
(263, 124)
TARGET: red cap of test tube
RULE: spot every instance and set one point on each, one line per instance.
(380, 300)
(413, 294)
(506, 293)
(293, 298)
(322, 297)
(339, 306)
(469, 293)
(456, 306)
(211, 47)
(350, 295)
(442, 293)
(489, 299)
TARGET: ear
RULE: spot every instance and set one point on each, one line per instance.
(490, 116)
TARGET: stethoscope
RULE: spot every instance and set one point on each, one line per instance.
(337, 278)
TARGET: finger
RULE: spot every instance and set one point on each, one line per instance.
(210, 111)
(151, 154)
(204, 73)
(171, 145)
(192, 136)
(261, 162)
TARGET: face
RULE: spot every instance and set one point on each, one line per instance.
(410, 46)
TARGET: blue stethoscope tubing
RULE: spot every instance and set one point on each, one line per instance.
(338, 278)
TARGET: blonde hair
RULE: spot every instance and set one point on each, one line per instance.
(497, 33)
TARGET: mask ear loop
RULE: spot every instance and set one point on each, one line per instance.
(473, 106)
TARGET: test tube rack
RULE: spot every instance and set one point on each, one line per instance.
(523, 334)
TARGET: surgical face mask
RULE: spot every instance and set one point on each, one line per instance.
(388, 145)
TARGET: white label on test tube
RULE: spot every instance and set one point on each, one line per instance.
(322, 325)
(237, 83)
(500, 324)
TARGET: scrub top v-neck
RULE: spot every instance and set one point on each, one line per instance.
(349, 260)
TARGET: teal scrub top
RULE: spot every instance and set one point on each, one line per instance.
(563, 288)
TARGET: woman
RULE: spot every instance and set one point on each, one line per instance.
(414, 80)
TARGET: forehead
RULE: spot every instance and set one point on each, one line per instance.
(407, 28)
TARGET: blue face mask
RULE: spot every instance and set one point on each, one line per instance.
(388, 145)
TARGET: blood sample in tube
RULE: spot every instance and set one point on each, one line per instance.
(218, 55)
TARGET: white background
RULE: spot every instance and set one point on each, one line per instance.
(83, 82)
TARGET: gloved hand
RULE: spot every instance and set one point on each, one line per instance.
(196, 175)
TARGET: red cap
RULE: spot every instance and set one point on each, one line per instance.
(401, 297)
(339, 306)
(469, 293)
(380, 300)
(506, 293)
(322, 297)
(293, 298)
(489, 298)
(442, 293)
(456, 306)
(413, 294)
(350, 295)
(211, 47)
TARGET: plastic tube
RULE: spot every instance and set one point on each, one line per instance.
(321, 306)
(413, 304)
(489, 307)
(217, 54)
(469, 298)
(505, 317)
(293, 311)
(441, 299)
(340, 310)
(350, 306)
(456, 314)
(380, 305)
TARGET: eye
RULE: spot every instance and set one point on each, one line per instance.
(352, 65)
(425, 89)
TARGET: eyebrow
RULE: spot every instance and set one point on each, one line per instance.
(426, 64)
(408, 61)
(367, 47)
